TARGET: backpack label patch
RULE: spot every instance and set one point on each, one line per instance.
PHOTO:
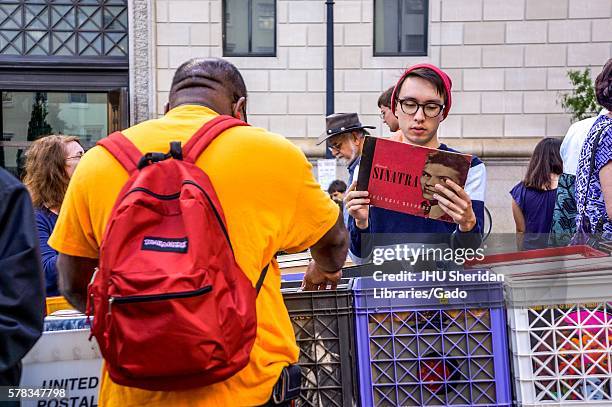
(162, 244)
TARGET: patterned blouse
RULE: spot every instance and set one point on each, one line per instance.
(593, 205)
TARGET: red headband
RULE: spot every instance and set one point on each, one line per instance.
(448, 84)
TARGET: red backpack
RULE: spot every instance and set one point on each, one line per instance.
(173, 310)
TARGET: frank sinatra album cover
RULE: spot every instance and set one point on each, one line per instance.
(401, 177)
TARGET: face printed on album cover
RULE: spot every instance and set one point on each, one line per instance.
(436, 174)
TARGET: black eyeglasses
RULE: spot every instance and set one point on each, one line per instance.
(430, 109)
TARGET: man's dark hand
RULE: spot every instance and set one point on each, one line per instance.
(317, 279)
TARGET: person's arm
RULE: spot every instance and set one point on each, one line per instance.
(470, 201)
(314, 222)
(48, 256)
(328, 257)
(472, 238)
(466, 206)
(605, 178)
(518, 202)
(74, 276)
(356, 204)
(456, 203)
(330, 251)
(519, 218)
(519, 221)
(360, 248)
(22, 293)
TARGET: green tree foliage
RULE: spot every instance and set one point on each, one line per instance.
(581, 102)
(38, 126)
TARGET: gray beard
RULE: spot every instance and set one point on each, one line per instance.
(344, 161)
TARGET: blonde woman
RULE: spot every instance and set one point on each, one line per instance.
(50, 162)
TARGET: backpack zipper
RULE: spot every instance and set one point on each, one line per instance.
(215, 211)
(157, 297)
(153, 194)
(177, 196)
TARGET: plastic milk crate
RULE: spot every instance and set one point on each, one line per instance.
(323, 325)
(425, 352)
(561, 339)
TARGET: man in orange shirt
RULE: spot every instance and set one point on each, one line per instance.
(271, 203)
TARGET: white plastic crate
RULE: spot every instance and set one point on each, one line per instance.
(63, 359)
(586, 287)
(561, 340)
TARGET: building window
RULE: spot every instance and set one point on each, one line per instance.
(78, 97)
(400, 27)
(64, 28)
(249, 28)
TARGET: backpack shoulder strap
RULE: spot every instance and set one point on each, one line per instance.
(262, 277)
(123, 150)
(206, 134)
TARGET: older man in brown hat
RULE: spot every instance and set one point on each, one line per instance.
(345, 134)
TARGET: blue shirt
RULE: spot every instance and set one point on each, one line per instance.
(386, 227)
(589, 198)
(537, 206)
(351, 170)
(45, 222)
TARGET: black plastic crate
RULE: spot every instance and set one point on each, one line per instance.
(323, 326)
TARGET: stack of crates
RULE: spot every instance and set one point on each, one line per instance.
(426, 352)
(323, 325)
(561, 338)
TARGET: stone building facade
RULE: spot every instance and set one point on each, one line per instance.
(508, 60)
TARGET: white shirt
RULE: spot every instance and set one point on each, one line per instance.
(573, 141)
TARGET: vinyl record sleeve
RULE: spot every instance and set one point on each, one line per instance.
(401, 177)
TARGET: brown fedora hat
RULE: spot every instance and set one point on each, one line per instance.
(339, 123)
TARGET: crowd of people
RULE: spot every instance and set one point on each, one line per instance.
(545, 204)
(53, 237)
(566, 194)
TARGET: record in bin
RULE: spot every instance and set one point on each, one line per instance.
(422, 352)
(323, 325)
(561, 339)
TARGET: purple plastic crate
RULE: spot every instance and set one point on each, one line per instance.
(418, 352)
(324, 330)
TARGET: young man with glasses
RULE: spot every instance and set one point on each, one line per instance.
(421, 100)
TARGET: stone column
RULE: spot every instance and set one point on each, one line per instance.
(142, 56)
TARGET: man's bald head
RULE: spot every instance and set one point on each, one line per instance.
(211, 82)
